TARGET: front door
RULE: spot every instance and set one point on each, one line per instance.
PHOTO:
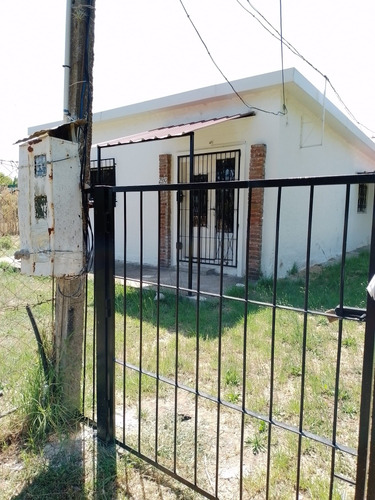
(214, 217)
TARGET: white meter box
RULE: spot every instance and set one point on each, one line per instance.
(50, 208)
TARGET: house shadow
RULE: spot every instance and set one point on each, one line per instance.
(215, 303)
(209, 313)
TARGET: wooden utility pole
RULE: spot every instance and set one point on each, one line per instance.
(71, 292)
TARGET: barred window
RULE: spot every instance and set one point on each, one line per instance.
(225, 198)
(200, 203)
(362, 198)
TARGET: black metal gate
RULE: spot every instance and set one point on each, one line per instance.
(192, 394)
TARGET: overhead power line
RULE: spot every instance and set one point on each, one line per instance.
(282, 52)
(278, 35)
(10, 165)
(249, 106)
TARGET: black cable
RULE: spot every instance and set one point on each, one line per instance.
(277, 35)
(83, 129)
(223, 75)
(282, 56)
(285, 42)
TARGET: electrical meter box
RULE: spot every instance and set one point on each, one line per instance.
(50, 207)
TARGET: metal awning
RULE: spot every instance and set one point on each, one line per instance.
(169, 132)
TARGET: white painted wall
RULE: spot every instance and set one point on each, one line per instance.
(322, 152)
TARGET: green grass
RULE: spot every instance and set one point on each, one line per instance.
(42, 410)
(6, 243)
(18, 347)
(214, 344)
(214, 350)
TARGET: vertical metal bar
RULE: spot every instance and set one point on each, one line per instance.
(244, 356)
(179, 201)
(237, 197)
(94, 350)
(191, 215)
(99, 156)
(180, 215)
(84, 350)
(220, 330)
(211, 240)
(304, 339)
(273, 334)
(371, 468)
(140, 317)
(125, 322)
(179, 244)
(104, 292)
(158, 336)
(339, 339)
(367, 390)
(197, 330)
(175, 402)
(176, 355)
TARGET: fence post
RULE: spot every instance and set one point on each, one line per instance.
(365, 460)
(104, 295)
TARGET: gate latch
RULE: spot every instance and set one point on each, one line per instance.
(343, 312)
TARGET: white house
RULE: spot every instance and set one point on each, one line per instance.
(250, 134)
(311, 138)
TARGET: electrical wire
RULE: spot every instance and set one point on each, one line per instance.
(249, 106)
(282, 55)
(279, 36)
(10, 165)
(276, 34)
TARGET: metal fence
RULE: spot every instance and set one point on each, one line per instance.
(250, 391)
(18, 345)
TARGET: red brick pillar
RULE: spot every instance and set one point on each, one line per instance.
(256, 171)
(165, 162)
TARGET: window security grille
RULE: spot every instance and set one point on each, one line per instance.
(362, 198)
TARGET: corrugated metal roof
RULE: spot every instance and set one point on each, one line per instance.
(62, 131)
(169, 132)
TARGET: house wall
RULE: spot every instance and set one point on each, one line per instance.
(296, 146)
(305, 149)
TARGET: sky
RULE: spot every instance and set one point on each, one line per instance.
(146, 49)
